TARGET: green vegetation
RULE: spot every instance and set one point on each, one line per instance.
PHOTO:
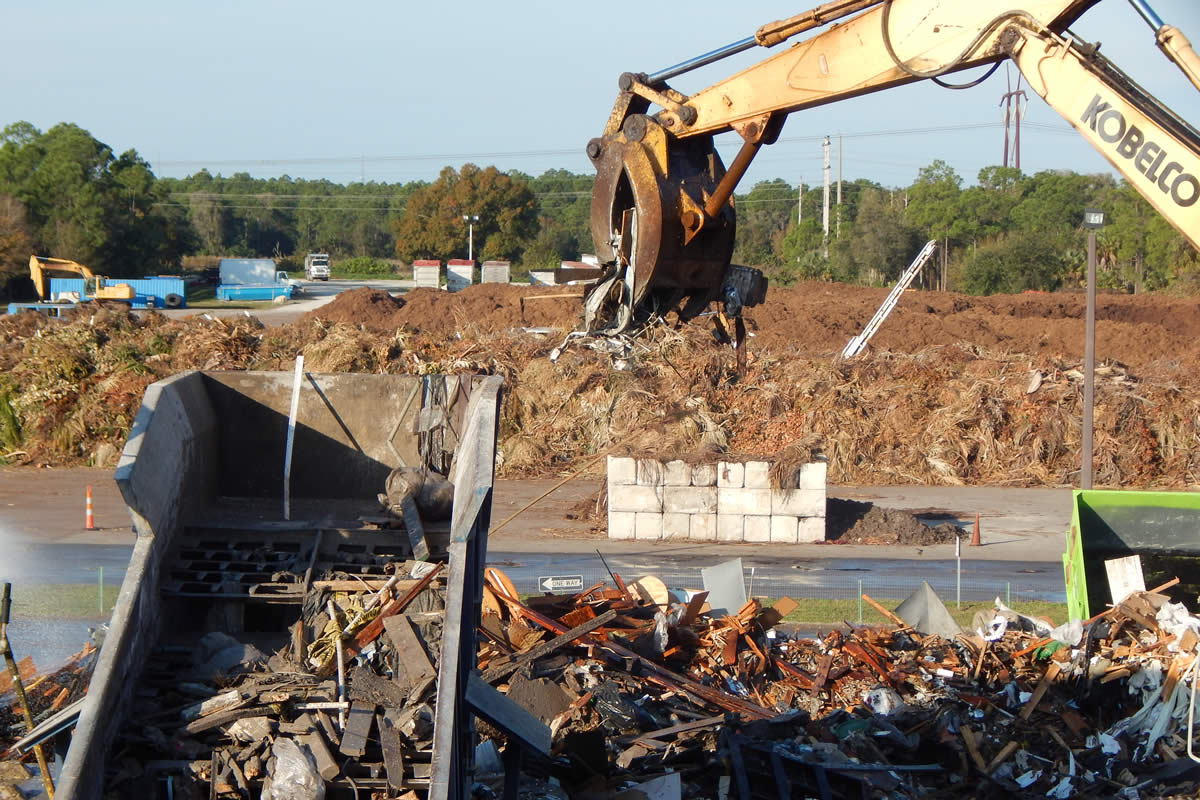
(63, 193)
(361, 267)
(64, 600)
(829, 611)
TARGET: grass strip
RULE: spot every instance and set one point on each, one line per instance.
(63, 601)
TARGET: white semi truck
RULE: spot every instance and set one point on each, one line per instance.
(316, 267)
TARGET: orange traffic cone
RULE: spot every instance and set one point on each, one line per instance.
(975, 533)
(89, 522)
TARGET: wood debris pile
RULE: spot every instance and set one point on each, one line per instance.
(47, 692)
(640, 691)
(346, 706)
(738, 706)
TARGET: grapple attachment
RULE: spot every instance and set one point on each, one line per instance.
(649, 226)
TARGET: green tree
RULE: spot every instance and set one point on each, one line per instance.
(881, 243)
(933, 201)
(1014, 264)
(432, 224)
(83, 203)
(762, 219)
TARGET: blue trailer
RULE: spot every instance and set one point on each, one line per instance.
(260, 292)
(162, 291)
(253, 279)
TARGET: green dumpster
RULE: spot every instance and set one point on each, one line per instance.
(1163, 528)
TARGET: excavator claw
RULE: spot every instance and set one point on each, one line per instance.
(649, 187)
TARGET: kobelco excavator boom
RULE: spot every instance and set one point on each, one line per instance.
(662, 216)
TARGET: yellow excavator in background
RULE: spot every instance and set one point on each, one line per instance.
(662, 216)
(95, 287)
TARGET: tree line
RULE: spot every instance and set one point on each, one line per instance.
(65, 194)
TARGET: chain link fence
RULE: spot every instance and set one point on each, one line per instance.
(889, 590)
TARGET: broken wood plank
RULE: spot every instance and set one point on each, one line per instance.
(326, 765)
(972, 744)
(775, 614)
(647, 739)
(504, 670)
(888, 614)
(225, 701)
(358, 728)
(1001, 757)
(1039, 692)
(694, 607)
(498, 710)
(393, 755)
(225, 717)
(412, 663)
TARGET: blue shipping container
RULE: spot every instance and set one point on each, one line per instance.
(148, 292)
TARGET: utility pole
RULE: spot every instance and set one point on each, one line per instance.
(839, 194)
(800, 202)
(1093, 218)
(825, 211)
(1011, 100)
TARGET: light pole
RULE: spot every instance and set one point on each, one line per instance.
(1093, 218)
(470, 219)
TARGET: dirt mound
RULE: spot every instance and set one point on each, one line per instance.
(475, 311)
(852, 522)
(368, 308)
(1136, 330)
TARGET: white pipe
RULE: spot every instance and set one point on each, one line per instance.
(291, 436)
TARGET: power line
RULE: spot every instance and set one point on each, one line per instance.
(359, 160)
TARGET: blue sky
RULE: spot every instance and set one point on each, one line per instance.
(395, 91)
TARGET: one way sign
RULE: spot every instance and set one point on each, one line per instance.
(561, 583)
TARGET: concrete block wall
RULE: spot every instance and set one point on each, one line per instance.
(728, 501)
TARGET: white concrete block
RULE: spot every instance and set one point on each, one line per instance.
(783, 529)
(756, 529)
(690, 499)
(744, 501)
(635, 498)
(730, 527)
(704, 528)
(757, 475)
(811, 529)
(622, 471)
(621, 524)
(704, 475)
(731, 475)
(798, 502)
(677, 473)
(649, 472)
(676, 526)
(648, 526)
(812, 476)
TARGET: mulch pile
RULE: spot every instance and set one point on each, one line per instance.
(977, 391)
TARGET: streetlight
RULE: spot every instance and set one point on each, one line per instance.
(1093, 218)
(470, 219)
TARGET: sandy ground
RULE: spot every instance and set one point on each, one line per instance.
(47, 506)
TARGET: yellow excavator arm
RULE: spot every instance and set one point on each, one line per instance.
(95, 287)
(662, 219)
